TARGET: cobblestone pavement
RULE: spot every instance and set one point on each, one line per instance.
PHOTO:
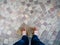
(45, 14)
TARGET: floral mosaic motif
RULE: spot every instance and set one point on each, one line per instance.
(40, 13)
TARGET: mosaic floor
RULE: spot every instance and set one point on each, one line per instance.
(45, 14)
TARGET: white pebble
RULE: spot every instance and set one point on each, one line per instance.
(9, 32)
(30, 8)
(26, 16)
(6, 41)
(25, 21)
(43, 27)
(41, 21)
(5, 31)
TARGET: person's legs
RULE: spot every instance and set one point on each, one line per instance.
(24, 40)
(20, 42)
(35, 40)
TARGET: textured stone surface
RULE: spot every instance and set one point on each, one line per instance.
(45, 14)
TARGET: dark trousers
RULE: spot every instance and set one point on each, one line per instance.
(25, 41)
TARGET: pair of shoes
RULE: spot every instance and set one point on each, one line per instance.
(24, 32)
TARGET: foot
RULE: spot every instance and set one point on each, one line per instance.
(35, 31)
(23, 31)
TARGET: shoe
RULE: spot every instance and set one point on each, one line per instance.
(35, 31)
(23, 31)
